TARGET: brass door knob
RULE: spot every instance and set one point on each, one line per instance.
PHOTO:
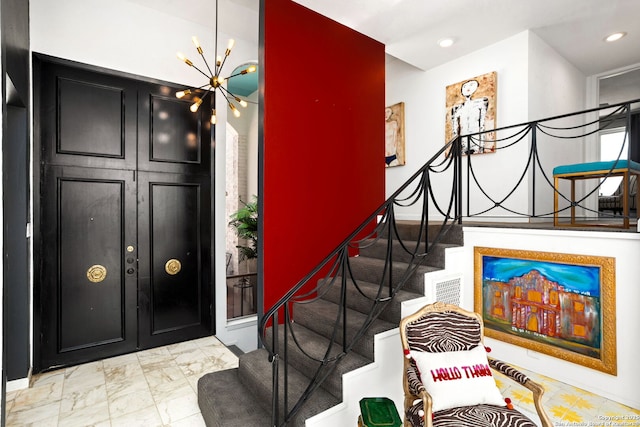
(172, 267)
(96, 273)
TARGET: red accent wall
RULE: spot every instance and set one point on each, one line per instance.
(322, 158)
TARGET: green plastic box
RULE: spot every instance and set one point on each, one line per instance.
(378, 411)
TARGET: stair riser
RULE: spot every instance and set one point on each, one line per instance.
(410, 231)
(323, 323)
(371, 270)
(356, 301)
(378, 250)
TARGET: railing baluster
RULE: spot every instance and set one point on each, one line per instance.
(287, 319)
(534, 150)
(275, 410)
(343, 299)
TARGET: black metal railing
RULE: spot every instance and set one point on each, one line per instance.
(447, 188)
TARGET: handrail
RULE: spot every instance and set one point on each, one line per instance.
(452, 167)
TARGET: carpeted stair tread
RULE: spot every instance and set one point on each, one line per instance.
(377, 248)
(316, 346)
(255, 373)
(371, 270)
(356, 301)
(320, 316)
(225, 402)
(410, 230)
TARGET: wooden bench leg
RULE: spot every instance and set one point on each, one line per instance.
(555, 201)
(625, 199)
(573, 200)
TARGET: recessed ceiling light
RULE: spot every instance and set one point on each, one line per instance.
(615, 36)
(446, 42)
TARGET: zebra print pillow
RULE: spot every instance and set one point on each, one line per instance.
(458, 378)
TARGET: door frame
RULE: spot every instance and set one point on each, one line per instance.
(38, 59)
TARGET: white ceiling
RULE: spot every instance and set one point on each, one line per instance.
(410, 29)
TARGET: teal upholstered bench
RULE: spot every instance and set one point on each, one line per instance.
(624, 168)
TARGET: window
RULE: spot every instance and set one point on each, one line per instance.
(612, 145)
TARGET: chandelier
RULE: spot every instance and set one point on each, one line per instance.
(215, 82)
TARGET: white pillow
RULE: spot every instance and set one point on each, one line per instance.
(458, 378)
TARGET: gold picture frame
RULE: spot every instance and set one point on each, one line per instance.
(557, 304)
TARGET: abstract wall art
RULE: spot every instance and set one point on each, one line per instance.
(471, 108)
(394, 135)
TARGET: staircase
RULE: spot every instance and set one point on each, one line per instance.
(243, 396)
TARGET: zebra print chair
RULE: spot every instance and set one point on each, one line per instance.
(445, 328)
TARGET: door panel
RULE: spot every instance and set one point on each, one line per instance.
(90, 118)
(171, 137)
(90, 310)
(91, 238)
(174, 251)
(78, 103)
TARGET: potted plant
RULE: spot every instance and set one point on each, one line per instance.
(245, 223)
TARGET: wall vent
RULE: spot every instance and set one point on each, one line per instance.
(445, 288)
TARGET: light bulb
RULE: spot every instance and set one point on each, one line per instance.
(221, 80)
(235, 111)
(194, 107)
(213, 117)
(182, 93)
(229, 47)
(251, 69)
(197, 43)
(243, 103)
(183, 58)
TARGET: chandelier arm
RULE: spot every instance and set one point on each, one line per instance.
(199, 70)
(219, 69)
(225, 94)
(193, 88)
(206, 63)
(225, 90)
(235, 75)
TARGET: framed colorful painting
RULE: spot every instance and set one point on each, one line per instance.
(558, 304)
(471, 109)
(394, 135)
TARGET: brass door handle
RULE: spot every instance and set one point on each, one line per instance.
(172, 267)
(96, 273)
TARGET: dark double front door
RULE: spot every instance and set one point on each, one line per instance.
(125, 216)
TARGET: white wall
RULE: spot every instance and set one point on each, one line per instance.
(528, 71)
(624, 247)
(556, 87)
(124, 36)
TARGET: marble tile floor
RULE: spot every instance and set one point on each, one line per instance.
(567, 405)
(155, 387)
